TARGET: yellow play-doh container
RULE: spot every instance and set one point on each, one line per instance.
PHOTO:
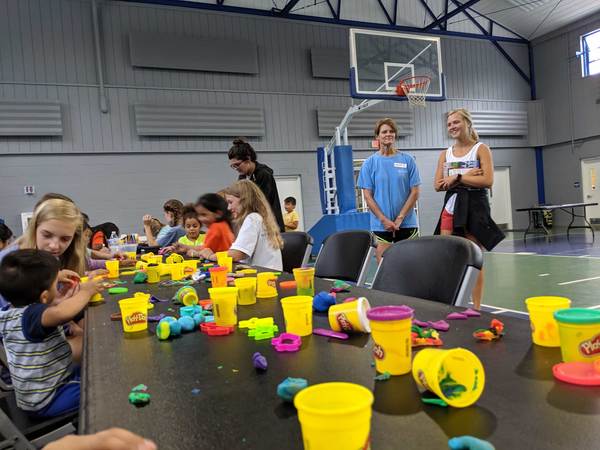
(335, 416)
(218, 276)
(190, 264)
(131, 255)
(579, 330)
(177, 271)
(305, 281)
(456, 375)
(134, 314)
(224, 305)
(246, 290)
(174, 258)
(390, 328)
(266, 285)
(297, 313)
(165, 269)
(224, 260)
(141, 265)
(155, 259)
(544, 329)
(145, 296)
(350, 317)
(112, 266)
(153, 272)
(146, 257)
(187, 295)
(96, 297)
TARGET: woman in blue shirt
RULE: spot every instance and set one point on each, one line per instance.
(390, 181)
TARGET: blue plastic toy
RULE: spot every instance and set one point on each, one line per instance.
(469, 443)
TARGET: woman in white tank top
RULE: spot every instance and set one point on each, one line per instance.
(465, 170)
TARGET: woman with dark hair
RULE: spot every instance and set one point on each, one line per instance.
(242, 158)
(171, 232)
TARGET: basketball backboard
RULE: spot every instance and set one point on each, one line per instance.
(379, 60)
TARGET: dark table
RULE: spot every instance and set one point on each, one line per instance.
(536, 219)
(522, 407)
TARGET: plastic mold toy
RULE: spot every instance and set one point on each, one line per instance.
(287, 342)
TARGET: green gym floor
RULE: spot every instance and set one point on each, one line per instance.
(561, 266)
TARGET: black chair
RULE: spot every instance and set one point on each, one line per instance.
(346, 256)
(438, 268)
(297, 246)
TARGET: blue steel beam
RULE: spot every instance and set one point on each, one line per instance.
(385, 11)
(288, 7)
(493, 22)
(333, 13)
(428, 9)
(451, 14)
(327, 20)
(445, 27)
(497, 45)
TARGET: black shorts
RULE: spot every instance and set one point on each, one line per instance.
(396, 236)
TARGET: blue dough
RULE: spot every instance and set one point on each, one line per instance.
(169, 319)
(289, 387)
(187, 323)
(175, 328)
(469, 443)
(198, 319)
(322, 301)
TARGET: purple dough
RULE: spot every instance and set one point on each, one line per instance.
(259, 361)
(457, 316)
(420, 323)
(440, 325)
(471, 313)
(157, 318)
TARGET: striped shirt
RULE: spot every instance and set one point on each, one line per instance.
(39, 358)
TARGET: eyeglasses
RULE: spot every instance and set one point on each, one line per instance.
(236, 166)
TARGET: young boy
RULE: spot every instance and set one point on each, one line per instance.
(40, 359)
(290, 218)
(5, 235)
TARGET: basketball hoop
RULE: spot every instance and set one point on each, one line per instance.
(415, 89)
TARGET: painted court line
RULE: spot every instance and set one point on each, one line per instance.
(578, 281)
(594, 307)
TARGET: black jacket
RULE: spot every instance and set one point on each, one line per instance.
(263, 177)
(472, 214)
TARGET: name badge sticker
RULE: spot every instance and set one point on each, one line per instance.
(400, 165)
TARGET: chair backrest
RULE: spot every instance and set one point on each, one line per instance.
(297, 246)
(438, 268)
(345, 255)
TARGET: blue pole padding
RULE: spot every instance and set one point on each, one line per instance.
(344, 178)
(539, 168)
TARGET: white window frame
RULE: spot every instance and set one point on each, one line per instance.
(585, 53)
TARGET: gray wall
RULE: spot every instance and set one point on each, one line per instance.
(46, 54)
(572, 111)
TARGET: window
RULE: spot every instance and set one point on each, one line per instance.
(361, 204)
(590, 53)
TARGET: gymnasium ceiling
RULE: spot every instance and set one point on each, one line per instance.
(522, 20)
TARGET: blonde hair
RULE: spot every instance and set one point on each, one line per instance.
(386, 121)
(253, 200)
(73, 257)
(466, 116)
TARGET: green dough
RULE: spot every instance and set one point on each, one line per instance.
(140, 277)
(117, 290)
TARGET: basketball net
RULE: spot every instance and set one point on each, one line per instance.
(415, 89)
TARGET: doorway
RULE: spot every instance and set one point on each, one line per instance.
(291, 186)
(590, 171)
(500, 199)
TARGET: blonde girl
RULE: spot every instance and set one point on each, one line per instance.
(258, 241)
(466, 171)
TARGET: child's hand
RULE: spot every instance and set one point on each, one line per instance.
(207, 253)
(127, 263)
(97, 273)
(93, 286)
(111, 439)
(147, 220)
(68, 277)
(168, 249)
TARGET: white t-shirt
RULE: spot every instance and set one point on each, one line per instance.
(252, 240)
(455, 165)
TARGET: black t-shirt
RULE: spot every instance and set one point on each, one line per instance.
(263, 177)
